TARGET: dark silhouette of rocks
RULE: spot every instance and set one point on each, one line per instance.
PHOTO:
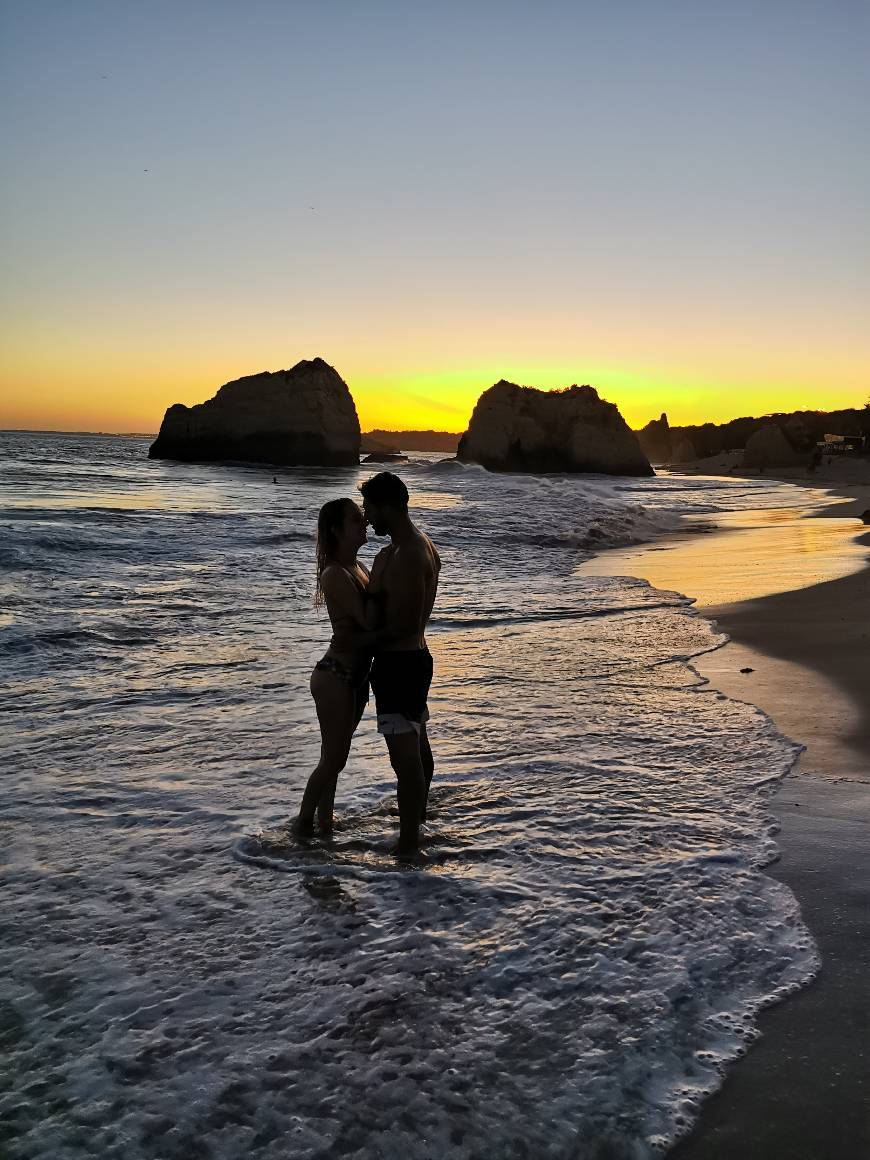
(770, 446)
(516, 428)
(682, 450)
(386, 457)
(304, 415)
(663, 444)
(655, 440)
(803, 429)
(378, 440)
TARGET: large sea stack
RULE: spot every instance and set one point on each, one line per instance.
(302, 416)
(517, 428)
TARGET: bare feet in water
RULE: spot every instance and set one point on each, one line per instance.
(408, 855)
(302, 828)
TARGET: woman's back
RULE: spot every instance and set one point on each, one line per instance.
(345, 592)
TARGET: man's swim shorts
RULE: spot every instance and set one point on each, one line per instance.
(400, 682)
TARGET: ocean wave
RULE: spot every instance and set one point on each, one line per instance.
(544, 615)
(17, 641)
(278, 538)
(16, 560)
(70, 543)
(453, 466)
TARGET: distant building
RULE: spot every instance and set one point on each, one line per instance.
(843, 444)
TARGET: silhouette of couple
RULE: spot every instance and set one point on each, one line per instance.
(378, 622)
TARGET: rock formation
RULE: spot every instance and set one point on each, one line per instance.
(380, 440)
(770, 447)
(655, 440)
(517, 428)
(683, 450)
(385, 457)
(302, 416)
(803, 430)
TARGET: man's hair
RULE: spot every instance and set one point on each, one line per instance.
(385, 489)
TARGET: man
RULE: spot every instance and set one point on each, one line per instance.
(404, 580)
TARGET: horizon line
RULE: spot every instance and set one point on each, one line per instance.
(435, 430)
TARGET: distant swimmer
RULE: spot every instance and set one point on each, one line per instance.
(401, 593)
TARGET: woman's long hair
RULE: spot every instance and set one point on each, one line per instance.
(330, 518)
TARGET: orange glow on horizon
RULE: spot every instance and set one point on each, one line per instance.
(402, 404)
(81, 386)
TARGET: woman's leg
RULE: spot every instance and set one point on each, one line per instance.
(336, 712)
(326, 804)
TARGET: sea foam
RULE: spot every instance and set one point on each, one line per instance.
(591, 934)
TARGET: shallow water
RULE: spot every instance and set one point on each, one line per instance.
(589, 937)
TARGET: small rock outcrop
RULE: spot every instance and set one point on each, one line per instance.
(517, 428)
(770, 447)
(683, 450)
(302, 416)
(655, 440)
(385, 457)
(380, 440)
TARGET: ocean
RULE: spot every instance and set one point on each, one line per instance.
(590, 938)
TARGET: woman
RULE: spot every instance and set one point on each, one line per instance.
(340, 681)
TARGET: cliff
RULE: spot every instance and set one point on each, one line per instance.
(803, 429)
(784, 439)
(304, 415)
(516, 428)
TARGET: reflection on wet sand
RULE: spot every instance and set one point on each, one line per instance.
(775, 551)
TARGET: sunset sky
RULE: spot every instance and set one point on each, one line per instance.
(665, 199)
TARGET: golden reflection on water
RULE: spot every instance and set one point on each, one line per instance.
(749, 555)
(151, 499)
(435, 501)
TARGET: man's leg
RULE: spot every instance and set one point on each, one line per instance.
(428, 767)
(407, 764)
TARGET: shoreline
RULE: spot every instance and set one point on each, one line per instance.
(793, 596)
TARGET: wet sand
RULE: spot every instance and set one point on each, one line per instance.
(793, 594)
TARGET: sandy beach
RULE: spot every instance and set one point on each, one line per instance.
(792, 591)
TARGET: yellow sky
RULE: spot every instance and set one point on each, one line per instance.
(81, 381)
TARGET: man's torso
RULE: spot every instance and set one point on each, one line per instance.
(419, 559)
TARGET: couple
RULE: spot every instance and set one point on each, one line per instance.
(378, 624)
